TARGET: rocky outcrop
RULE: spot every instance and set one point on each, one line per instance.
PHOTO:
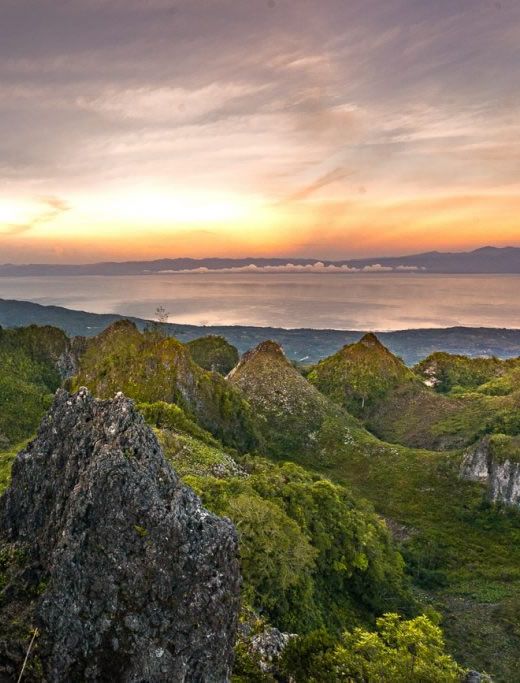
(495, 461)
(268, 647)
(68, 362)
(263, 644)
(116, 564)
(476, 677)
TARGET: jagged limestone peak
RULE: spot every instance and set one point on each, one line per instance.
(123, 572)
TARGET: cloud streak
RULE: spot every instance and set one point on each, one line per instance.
(54, 207)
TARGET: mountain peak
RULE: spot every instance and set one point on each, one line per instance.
(271, 347)
(266, 351)
(370, 340)
(360, 374)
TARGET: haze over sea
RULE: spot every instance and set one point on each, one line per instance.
(338, 301)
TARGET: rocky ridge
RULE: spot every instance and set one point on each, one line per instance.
(110, 562)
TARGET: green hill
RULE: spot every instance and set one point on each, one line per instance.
(149, 367)
(213, 352)
(293, 416)
(441, 405)
(446, 372)
(361, 375)
(314, 554)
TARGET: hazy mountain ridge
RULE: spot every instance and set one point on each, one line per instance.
(484, 260)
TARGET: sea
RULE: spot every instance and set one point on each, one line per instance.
(349, 301)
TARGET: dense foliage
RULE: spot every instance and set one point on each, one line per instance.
(28, 377)
(312, 555)
(454, 371)
(399, 651)
(213, 353)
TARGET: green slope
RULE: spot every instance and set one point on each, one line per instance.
(213, 352)
(361, 375)
(463, 556)
(441, 405)
(314, 554)
(28, 377)
(149, 367)
(292, 415)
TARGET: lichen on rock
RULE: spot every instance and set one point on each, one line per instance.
(123, 572)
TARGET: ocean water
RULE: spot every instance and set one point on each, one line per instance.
(341, 301)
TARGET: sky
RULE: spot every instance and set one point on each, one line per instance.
(320, 128)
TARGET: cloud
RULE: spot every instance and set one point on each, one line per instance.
(54, 207)
(317, 267)
(175, 106)
(336, 175)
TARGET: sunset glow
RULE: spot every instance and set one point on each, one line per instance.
(133, 129)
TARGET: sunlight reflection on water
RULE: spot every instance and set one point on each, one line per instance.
(341, 301)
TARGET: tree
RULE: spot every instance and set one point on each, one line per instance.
(157, 326)
(399, 651)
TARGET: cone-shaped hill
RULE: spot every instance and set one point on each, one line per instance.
(294, 416)
(149, 367)
(213, 352)
(412, 407)
(360, 375)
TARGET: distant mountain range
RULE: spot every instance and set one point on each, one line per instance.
(304, 345)
(491, 260)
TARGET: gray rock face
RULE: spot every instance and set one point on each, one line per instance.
(476, 677)
(68, 362)
(475, 465)
(269, 646)
(134, 580)
(500, 474)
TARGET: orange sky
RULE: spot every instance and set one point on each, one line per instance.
(329, 130)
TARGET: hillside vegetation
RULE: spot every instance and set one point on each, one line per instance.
(345, 538)
(29, 375)
(213, 352)
(361, 375)
(150, 367)
(445, 402)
